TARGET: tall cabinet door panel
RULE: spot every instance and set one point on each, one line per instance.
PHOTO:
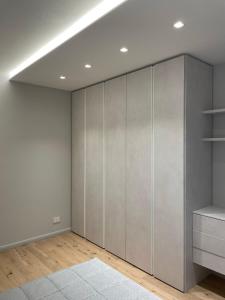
(115, 121)
(138, 178)
(78, 163)
(169, 172)
(94, 164)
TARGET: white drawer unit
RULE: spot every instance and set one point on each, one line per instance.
(209, 260)
(209, 238)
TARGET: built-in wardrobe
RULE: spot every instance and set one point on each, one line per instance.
(140, 168)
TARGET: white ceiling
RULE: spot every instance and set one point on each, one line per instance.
(26, 25)
(144, 26)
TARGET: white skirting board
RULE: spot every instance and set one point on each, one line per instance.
(32, 239)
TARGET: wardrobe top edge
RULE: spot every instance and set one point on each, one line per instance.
(144, 67)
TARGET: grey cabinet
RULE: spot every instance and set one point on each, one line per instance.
(169, 172)
(94, 164)
(198, 155)
(138, 169)
(182, 165)
(115, 133)
(128, 147)
(78, 162)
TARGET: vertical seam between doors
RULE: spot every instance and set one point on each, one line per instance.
(103, 163)
(125, 173)
(85, 162)
(71, 158)
(152, 171)
(213, 145)
(184, 175)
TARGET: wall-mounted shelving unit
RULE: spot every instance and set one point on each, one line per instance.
(214, 112)
(214, 139)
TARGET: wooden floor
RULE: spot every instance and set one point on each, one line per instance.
(26, 263)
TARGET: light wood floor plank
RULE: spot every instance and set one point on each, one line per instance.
(26, 263)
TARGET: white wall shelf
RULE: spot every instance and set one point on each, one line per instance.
(214, 111)
(214, 139)
(212, 212)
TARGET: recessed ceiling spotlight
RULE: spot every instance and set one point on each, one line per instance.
(62, 77)
(88, 66)
(123, 50)
(94, 14)
(178, 24)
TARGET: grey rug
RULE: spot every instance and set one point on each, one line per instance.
(92, 280)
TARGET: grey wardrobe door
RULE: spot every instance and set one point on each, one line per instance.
(199, 80)
(114, 120)
(169, 172)
(138, 182)
(78, 148)
(94, 164)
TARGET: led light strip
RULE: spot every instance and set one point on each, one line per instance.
(89, 18)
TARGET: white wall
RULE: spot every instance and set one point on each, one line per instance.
(219, 130)
(35, 161)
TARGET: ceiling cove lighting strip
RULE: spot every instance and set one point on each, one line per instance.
(100, 10)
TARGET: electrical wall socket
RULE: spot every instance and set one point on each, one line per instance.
(56, 220)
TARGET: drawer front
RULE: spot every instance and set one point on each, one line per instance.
(209, 226)
(209, 260)
(209, 243)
